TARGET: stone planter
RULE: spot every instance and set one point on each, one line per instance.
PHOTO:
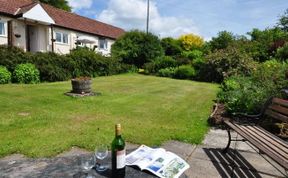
(81, 85)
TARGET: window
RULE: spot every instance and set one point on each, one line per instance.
(2, 28)
(102, 43)
(62, 37)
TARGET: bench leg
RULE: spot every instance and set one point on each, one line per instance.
(229, 142)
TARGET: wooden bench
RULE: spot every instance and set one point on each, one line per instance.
(267, 143)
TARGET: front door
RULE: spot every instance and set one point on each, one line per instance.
(36, 38)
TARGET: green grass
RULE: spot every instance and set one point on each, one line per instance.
(40, 121)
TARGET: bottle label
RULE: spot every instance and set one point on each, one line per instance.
(121, 159)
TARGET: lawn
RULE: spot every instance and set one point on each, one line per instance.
(40, 121)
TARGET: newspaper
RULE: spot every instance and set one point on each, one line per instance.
(158, 161)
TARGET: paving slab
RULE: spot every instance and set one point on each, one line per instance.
(200, 168)
(184, 150)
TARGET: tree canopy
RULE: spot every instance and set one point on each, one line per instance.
(138, 48)
(191, 41)
(61, 4)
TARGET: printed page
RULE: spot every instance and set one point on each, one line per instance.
(143, 156)
(168, 165)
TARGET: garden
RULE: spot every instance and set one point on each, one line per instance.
(159, 89)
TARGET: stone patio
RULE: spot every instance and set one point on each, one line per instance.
(205, 160)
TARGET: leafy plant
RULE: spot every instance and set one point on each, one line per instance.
(184, 72)
(160, 63)
(167, 72)
(248, 94)
(26, 73)
(5, 75)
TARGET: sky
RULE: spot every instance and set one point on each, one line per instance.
(174, 18)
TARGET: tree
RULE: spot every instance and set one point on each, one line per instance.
(171, 46)
(191, 41)
(283, 21)
(222, 41)
(137, 48)
(264, 44)
(61, 4)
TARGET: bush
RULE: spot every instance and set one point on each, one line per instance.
(282, 53)
(225, 63)
(52, 66)
(86, 62)
(26, 73)
(167, 72)
(10, 57)
(160, 63)
(184, 72)
(137, 48)
(248, 94)
(171, 46)
(192, 54)
(5, 75)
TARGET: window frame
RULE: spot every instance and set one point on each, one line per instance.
(4, 29)
(105, 45)
(62, 38)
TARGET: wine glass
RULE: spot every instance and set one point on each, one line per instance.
(87, 163)
(101, 152)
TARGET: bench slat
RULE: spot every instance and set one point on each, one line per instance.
(276, 115)
(279, 108)
(271, 144)
(280, 141)
(280, 102)
(272, 154)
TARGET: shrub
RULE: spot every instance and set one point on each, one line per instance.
(225, 63)
(160, 63)
(26, 73)
(184, 72)
(167, 72)
(171, 46)
(5, 75)
(248, 94)
(10, 57)
(86, 62)
(137, 48)
(282, 53)
(52, 66)
(192, 54)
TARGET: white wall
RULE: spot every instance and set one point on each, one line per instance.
(19, 27)
(72, 36)
(4, 38)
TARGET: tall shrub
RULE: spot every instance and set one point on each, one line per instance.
(137, 48)
(10, 57)
(52, 66)
(86, 62)
(224, 63)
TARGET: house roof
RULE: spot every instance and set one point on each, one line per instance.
(62, 18)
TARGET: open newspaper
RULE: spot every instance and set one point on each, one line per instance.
(158, 161)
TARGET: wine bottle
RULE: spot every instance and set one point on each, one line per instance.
(118, 154)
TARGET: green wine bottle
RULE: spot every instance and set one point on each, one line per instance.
(118, 154)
